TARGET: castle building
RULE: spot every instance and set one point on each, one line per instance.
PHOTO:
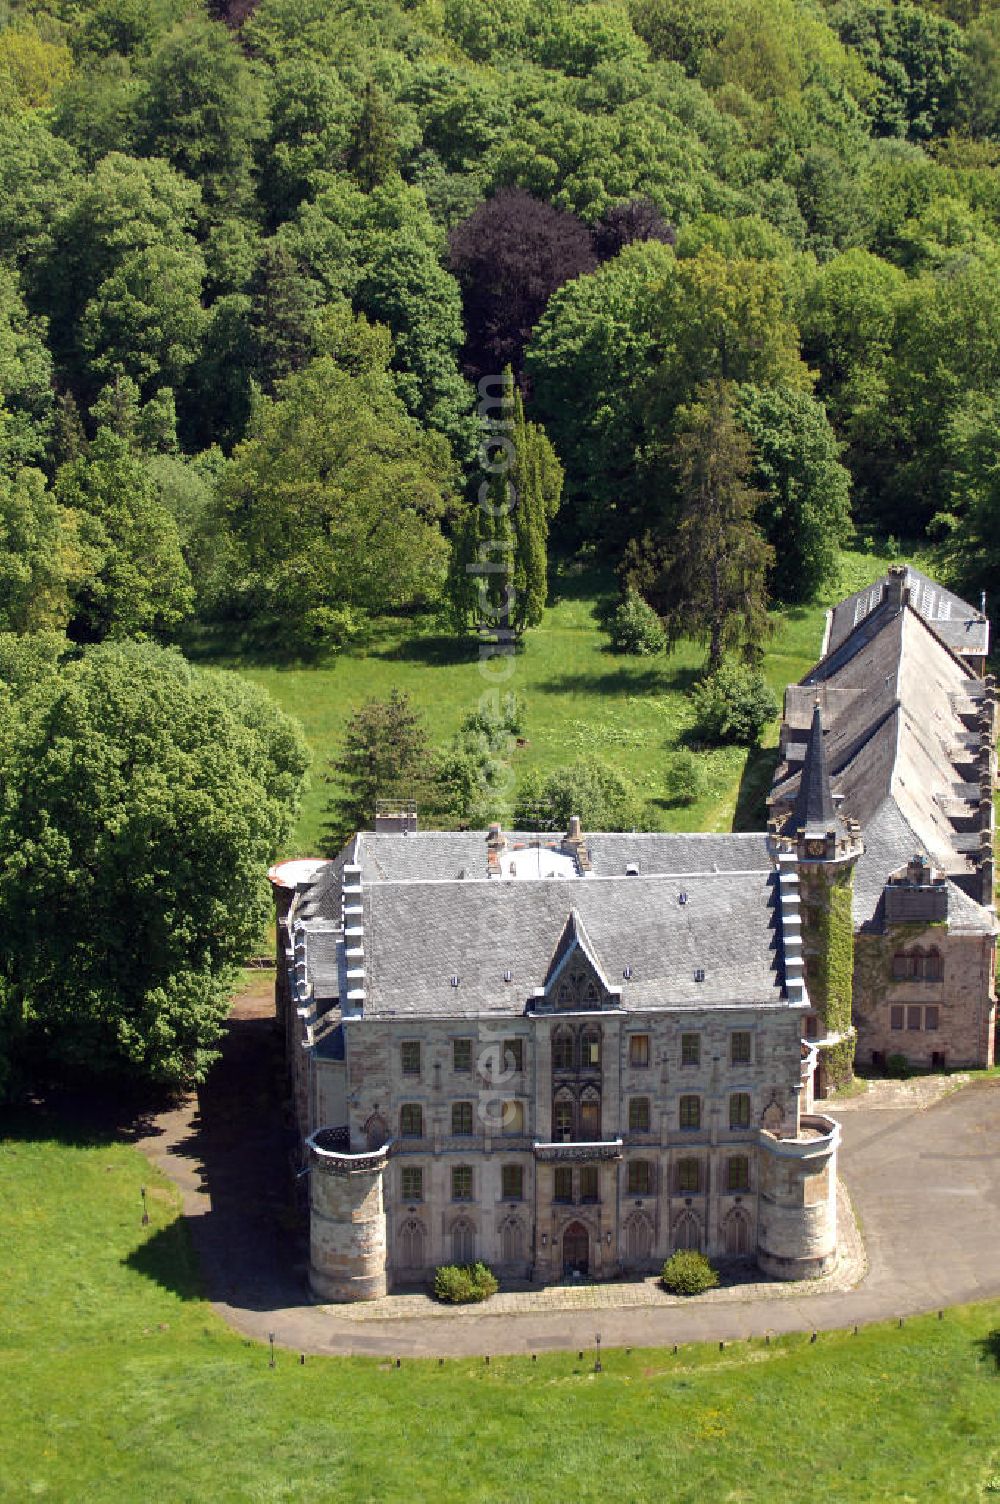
(907, 724)
(573, 1055)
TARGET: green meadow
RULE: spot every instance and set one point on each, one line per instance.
(119, 1383)
(581, 699)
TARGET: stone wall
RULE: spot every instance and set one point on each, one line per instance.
(966, 1010)
(797, 1208)
(347, 1248)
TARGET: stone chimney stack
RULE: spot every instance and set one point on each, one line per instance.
(896, 591)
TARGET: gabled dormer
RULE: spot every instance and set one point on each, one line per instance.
(576, 981)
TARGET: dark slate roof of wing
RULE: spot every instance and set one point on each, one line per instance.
(419, 935)
(959, 625)
(658, 852)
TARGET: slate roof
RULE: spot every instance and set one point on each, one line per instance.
(899, 708)
(418, 935)
(960, 626)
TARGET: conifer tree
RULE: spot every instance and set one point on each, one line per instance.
(499, 570)
(706, 577)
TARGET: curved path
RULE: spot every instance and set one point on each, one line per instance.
(925, 1184)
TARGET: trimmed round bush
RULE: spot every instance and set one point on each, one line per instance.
(636, 628)
(688, 1273)
(464, 1284)
(733, 705)
(684, 781)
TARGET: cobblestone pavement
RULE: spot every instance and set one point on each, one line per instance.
(918, 1159)
(621, 1294)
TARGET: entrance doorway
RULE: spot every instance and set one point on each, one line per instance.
(576, 1249)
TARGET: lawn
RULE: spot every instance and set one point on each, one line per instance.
(119, 1383)
(581, 699)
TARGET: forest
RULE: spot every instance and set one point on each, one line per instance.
(279, 285)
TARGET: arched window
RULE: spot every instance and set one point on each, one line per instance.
(562, 1117)
(512, 1241)
(687, 1232)
(376, 1131)
(590, 1048)
(562, 1050)
(463, 1242)
(411, 1120)
(411, 1244)
(638, 1239)
(590, 1115)
(737, 1233)
(590, 995)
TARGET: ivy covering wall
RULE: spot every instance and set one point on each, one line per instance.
(828, 933)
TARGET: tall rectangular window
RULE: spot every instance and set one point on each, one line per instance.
(411, 1120)
(513, 1119)
(737, 1173)
(513, 1054)
(913, 1016)
(638, 1050)
(588, 1183)
(512, 1182)
(461, 1183)
(739, 1110)
(690, 1049)
(413, 1183)
(638, 1115)
(461, 1117)
(930, 1018)
(689, 1176)
(740, 1048)
(640, 1177)
(563, 1187)
(690, 1112)
(562, 1121)
(461, 1056)
(896, 1016)
(409, 1057)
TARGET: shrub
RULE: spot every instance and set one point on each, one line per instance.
(463, 1284)
(897, 1065)
(733, 705)
(687, 1273)
(685, 778)
(636, 628)
(600, 795)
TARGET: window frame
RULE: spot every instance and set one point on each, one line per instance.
(685, 1165)
(505, 1193)
(633, 1177)
(465, 1171)
(690, 1049)
(738, 1179)
(563, 1175)
(514, 1047)
(406, 1045)
(411, 1195)
(411, 1112)
(464, 1043)
(737, 1057)
(688, 1115)
(590, 1175)
(462, 1113)
(737, 1113)
(634, 1106)
(636, 1049)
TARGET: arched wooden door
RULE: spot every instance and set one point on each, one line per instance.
(576, 1249)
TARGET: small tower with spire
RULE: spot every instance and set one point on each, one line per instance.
(826, 848)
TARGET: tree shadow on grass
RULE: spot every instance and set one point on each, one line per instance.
(751, 801)
(627, 679)
(168, 1258)
(434, 650)
(989, 1347)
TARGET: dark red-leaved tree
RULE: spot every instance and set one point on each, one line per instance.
(510, 256)
(622, 225)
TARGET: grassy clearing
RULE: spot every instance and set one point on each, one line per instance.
(581, 699)
(118, 1383)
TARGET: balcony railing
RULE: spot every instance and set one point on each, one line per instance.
(578, 1152)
